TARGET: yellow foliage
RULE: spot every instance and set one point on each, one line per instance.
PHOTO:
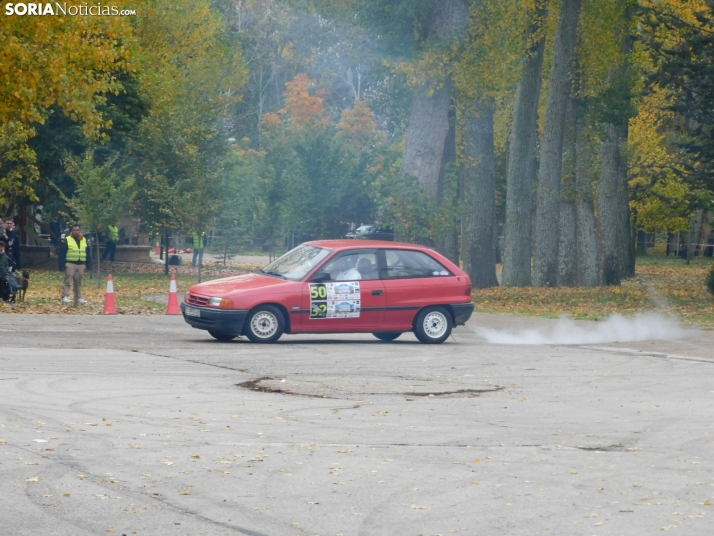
(489, 64)
(601, 47)
(61, 60)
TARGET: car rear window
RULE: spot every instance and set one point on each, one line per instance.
(403, 263)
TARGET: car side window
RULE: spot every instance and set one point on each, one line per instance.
(353, 266)
(402, 263)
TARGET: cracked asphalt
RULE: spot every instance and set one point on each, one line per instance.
(140, 425)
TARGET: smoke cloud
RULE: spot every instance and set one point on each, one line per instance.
(616, 328)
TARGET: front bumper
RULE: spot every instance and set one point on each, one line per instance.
(462, 312)
(225, 321)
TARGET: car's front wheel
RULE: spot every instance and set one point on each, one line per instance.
(223, 337)
(387, 336)
(433, 325)
(265, 324)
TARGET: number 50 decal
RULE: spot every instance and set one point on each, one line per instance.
(318, 301)
(318, 292)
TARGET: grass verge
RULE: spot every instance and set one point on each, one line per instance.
(662, 284)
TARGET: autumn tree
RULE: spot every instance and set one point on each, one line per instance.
(545, 253)
(678, 40)
(324, 174)
(103, 194)
(521, 174)
(429, 119)
(71, 63)
(189, 74)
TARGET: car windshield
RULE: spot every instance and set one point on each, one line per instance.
(296, 263)
(365, 229)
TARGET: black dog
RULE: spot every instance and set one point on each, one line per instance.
(24, 283)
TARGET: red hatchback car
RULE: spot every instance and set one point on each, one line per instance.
(333, 286)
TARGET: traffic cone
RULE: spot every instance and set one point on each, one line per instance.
(173, 308)
(158, 248)
(110, 306)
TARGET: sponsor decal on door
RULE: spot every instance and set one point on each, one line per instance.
(335, 300)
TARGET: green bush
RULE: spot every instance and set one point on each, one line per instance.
(710, 281)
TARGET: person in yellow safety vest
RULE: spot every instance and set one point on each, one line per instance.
(74, 258)
(199, 243)
(112, 238)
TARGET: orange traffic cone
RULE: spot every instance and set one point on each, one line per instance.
(173, 308)
(110, 306)
(158, 248)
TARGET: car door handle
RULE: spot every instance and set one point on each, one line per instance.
(376, 293)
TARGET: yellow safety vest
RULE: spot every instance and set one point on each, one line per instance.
(113, 233)
(76, 253)
(198, 242)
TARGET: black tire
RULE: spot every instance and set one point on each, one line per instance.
(223, 337)
(433, 325)
(387, 336)
(265, 324)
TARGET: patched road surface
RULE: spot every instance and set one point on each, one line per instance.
(141, 425)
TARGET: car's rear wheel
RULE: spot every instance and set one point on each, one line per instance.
(433, 325)
(223, 337)
(387, 336)
(265, 324)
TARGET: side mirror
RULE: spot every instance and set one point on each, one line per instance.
(319, 277)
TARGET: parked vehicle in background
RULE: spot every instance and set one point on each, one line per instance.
(371, 232)
(337, 286)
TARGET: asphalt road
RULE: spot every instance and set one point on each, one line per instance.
(141, 425)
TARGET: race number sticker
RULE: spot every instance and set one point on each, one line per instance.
(335, 300)
(318, 300)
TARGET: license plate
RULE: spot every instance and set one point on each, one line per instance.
(190, 311)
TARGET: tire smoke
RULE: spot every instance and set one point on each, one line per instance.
(616, 328)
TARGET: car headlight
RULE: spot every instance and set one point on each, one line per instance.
(223, 303)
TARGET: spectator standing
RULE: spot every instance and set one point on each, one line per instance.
(74, 258)
(4, 262)
(8, 283)
(199, 242)
(112, 239)
(56, 229)
(12, 241)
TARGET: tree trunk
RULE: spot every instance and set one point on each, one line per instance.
(587, 246)
(609, 208)
(695, 232)
(642, 243)
(99, 268)
(706, 230)
(428, 123)
(521, 174)
(166, 257)
(479, 179)
(618, 259)
(567, 245)
(628, 236)
(548, 193)
(567, 241)
(448, 242)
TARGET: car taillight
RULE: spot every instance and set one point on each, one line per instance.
(467, 292)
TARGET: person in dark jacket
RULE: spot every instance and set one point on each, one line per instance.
(74, 258)
(56, 229)
(8, 283)
(12, 244)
